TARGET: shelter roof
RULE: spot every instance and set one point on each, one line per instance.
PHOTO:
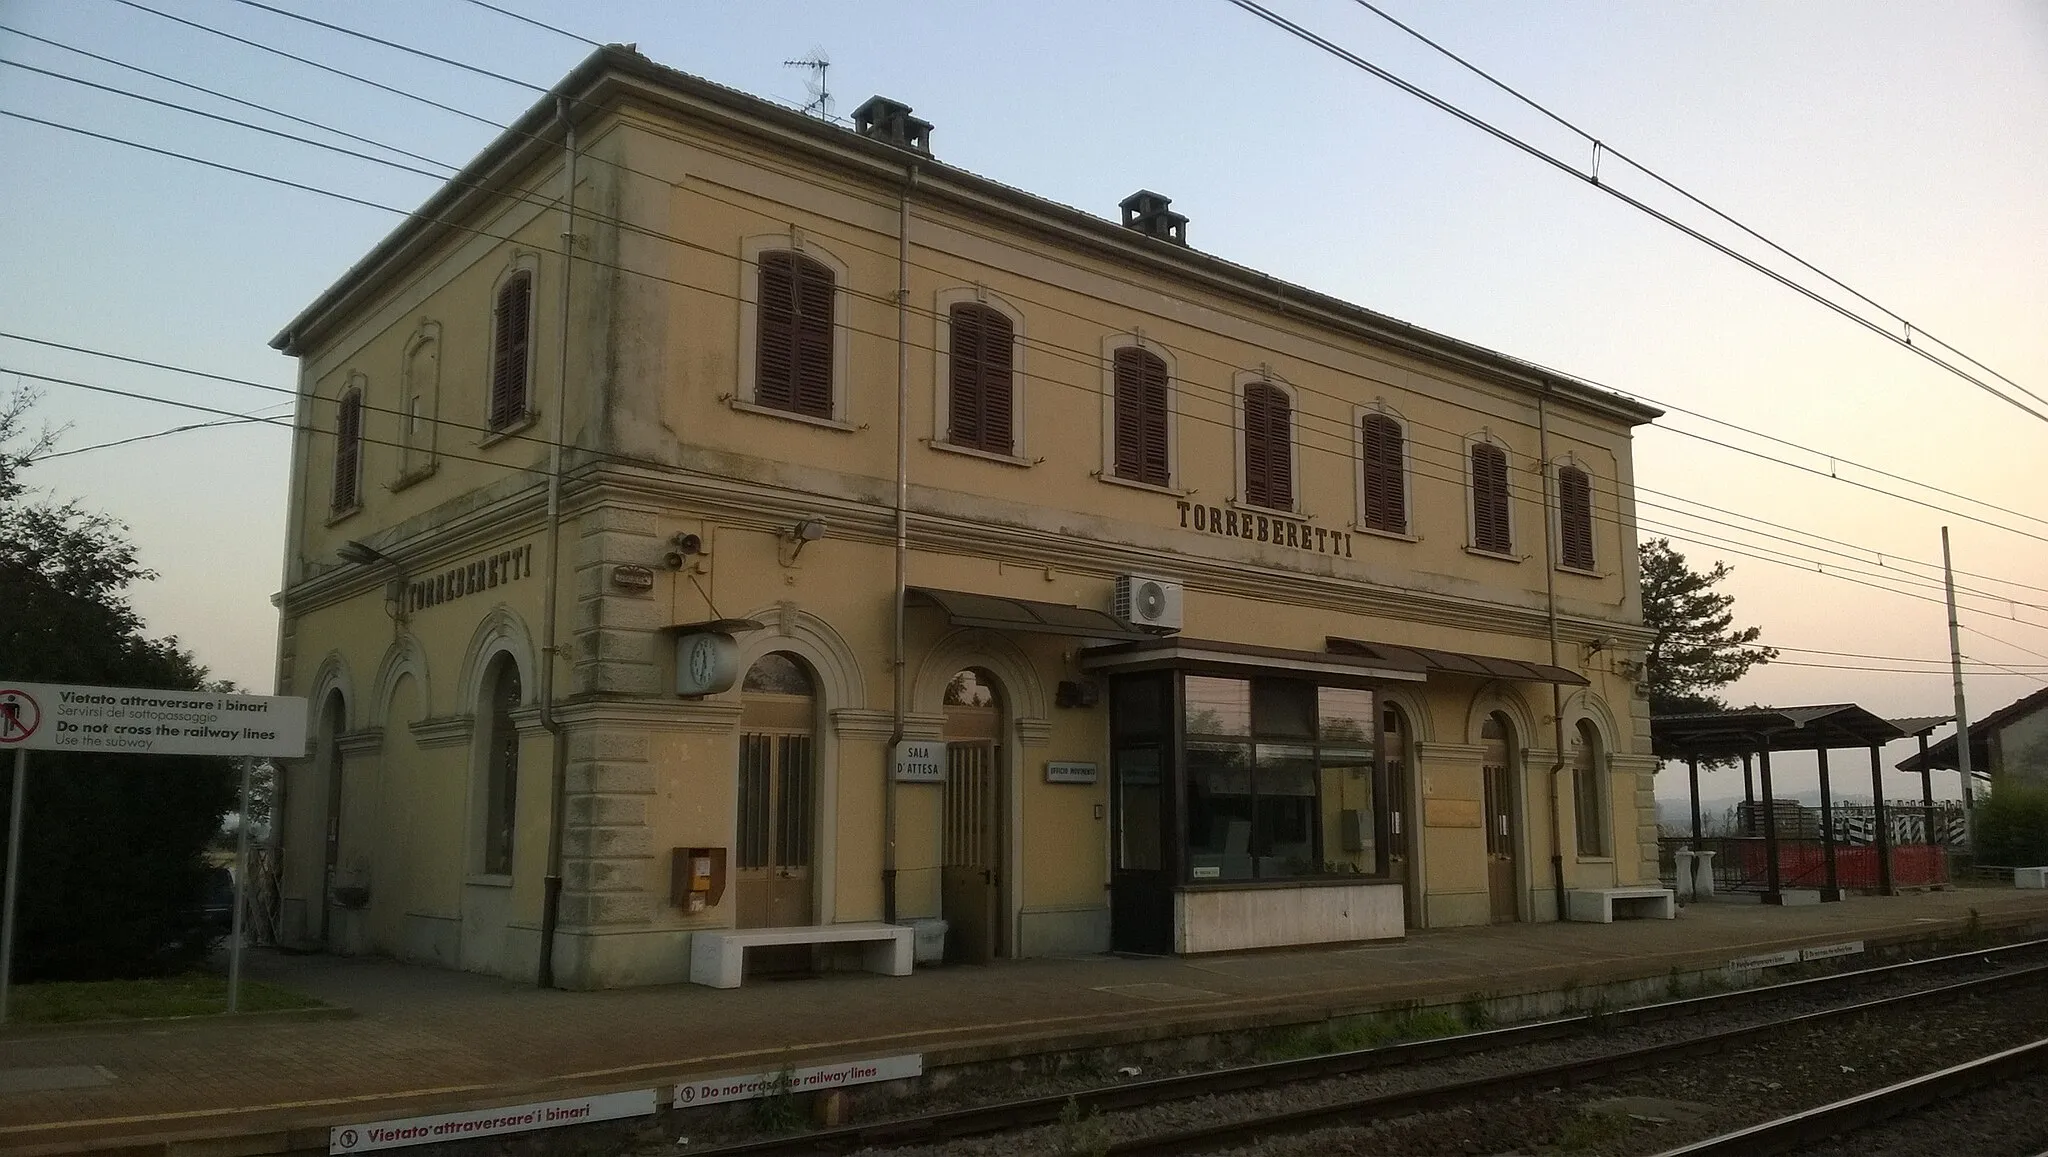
(1457, 662)
(1807, 728)
(1942, 756)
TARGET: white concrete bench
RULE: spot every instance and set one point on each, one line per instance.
(1602, 905)
(2030, 877)
(716, 955)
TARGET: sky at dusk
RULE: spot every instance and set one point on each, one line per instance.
(1900, 147)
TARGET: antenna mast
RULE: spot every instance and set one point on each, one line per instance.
(820, 104)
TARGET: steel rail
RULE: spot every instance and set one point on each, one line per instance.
(1852, 1114)
(1566, 1074)
(1023, 1113)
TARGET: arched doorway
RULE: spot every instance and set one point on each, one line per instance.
(776, 829)
(1589, 795)
(333, 717)
(1496, 738)
(975, 821)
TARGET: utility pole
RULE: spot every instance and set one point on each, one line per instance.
(1955, 663)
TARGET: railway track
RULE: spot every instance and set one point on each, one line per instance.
(1797, 1131)
(1014, 1115)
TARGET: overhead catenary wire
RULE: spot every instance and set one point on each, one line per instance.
(1346, 55)
(1091, 358)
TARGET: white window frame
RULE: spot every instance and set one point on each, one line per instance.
(528, 262)
(743, 395)
(418, 455)
(1487, 436)
(1358, 416)
(1110, 345)
(942, 372)
(1240, 382)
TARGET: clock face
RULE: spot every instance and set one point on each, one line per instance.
(706, 663)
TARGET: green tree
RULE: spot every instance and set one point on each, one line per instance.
(1696, 649)
(2010, 826)
(112, 850)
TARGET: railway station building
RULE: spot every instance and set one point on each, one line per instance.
(707, 516)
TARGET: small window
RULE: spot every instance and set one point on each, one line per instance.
(793, 367)
(348, 451)
(1490, 530)
(1589, 796)
(501, 784)
(1382, 450)
(1575, 518)
(1268, 446)
(511, 347)
(978, 403)
(1141, 400)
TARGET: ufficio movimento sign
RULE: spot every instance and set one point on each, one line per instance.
(141, 721)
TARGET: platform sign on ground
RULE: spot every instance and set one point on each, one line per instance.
(1831, 951)
(404, 1131)
(752, 1086)
(138, 721)
(1765, 960)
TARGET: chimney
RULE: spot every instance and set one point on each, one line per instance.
(890, 122)
(1147, 212)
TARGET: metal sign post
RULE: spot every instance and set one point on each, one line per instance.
(13, 875)
(141, 721)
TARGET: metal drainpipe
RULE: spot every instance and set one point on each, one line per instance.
(1556, 691)
(897, 657)
(558, 789)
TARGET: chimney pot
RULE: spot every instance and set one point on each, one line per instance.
(1146, 212)
(889, 121)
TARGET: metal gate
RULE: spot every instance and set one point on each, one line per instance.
(971, 846)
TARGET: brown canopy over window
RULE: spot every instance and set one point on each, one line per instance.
(1382, 446)
(1268, 446)
(1490, 499)
(1141, 453)
(511, 328)
(978, 399)
(1575, 518)
(348, 449)
(794, 368)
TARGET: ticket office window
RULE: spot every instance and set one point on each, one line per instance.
(1281, 781)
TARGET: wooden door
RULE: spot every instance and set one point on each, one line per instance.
(1400, 861)
(771, 878)
(1500, 829)
(331, 862)
(971, 840)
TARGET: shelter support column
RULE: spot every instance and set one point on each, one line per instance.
(1748, 798)
(1831, 885)
(1927, 796)
(1772, 893)
(1884, 823)
(1692, 779)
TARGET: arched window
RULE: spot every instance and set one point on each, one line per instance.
(502, 696)
(1490, 527)
(982, 356)
(1575, 518)
(1589, 791)
(1497, 771)
(1141, 419)
(1268, 446)
(511, 349)
(418, 387)
(1382, 455)
(1394, 748)
(793, 366)
(777, 793)
(348, 451)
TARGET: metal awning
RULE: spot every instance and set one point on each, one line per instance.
(998, 613)
(1457, 662)
(1246, 659)
(1826, 726)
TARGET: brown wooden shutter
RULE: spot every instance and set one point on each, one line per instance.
(1490, 499)
(1575, 517)
(1268, 446)
(978, 397)
(1140, 408)
(511, 325)
(1386, 489)
(348, 449)
(793, 330)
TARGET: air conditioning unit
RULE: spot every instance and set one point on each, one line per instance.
(1149, 604)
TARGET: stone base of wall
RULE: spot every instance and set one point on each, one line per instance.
(1458, 909)
(1230, 921)
(1063, 931)
(590, 959)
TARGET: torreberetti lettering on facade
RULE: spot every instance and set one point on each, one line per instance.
(1288, 532)
(487, 573)
(1101, 722)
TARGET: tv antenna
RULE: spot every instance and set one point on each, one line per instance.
(820, 103)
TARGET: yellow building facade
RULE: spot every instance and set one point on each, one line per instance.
(708, 516)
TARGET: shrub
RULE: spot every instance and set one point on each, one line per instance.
(2011, 826)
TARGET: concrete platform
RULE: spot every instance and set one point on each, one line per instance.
(427, 1040)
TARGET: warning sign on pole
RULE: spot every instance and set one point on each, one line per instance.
(139, 721)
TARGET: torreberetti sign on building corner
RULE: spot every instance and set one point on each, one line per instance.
(138, 721)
